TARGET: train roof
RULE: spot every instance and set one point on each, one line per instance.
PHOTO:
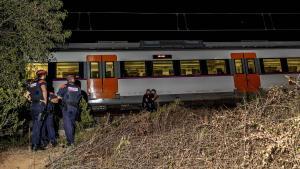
(175, 45)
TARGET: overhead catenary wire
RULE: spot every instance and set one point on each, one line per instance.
(177, 22)
(180, 30)
(78, 22)
(185, 22)
(186, 13)
(264, 21)
(272, 22)
(90, 25)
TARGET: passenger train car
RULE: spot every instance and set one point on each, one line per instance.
(118, 73)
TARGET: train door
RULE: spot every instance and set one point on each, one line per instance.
(102, 81)
(246, 77)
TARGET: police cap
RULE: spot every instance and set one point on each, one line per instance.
(70, 76)
(41, 72)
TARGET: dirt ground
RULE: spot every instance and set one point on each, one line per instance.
(23, 158)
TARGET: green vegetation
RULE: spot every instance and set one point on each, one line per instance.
(29, 29)
(10, 105)
(85, 122)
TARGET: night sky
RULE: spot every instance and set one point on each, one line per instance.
(194, 21)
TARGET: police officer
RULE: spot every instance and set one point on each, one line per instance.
(37, 94)
(70, 94)
(48, 132)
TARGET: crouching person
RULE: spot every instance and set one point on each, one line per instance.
(146, 102)
(70, 94)
(154, 96)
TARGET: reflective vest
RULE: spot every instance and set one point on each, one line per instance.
(36, 91)
(73, 95)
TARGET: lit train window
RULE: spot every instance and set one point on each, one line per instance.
(272, 65)
(95, 70)
(163, 68)
(251, 66)
(109, 69)
(293, 65)
(216, 67)
(189, 67)
(134, 69)
(238, 66)
(31, 69)
(64, 69)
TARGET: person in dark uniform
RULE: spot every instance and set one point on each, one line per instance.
(70, 94)
(48, 131)
(37, 95)
(146, 102)
(154, 97)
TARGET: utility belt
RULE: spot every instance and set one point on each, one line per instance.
(35, 101)
(72, 104)
(38, 102)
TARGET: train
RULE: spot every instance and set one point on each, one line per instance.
(116, 74)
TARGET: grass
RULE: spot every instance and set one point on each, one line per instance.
(261, 133)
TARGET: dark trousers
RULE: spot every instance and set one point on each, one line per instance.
(36, 112)
(48, 132)
(149, 106)
(69, 117)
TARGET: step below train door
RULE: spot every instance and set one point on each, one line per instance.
(246, 77)
(102, 82)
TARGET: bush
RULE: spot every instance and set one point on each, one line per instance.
(29, 30)
(86, 120)
(11, 104)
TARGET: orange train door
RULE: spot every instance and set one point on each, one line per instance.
(246, 77)
(102, 81)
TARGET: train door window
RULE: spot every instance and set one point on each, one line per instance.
(163, 68)
(109, 70)
(31, 69)
(251, 66)
(95, 73)
(134, 69)
(216, 67)
(293, 65)
(238, 64)
(64, 69)
(149, 68)
(203, 67)
(272, 65)
(189, 67)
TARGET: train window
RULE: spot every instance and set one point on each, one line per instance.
(189, 67)
(109, 69)
(216, 67)
(293, 65)
(64, 69)
(134, 69)
(238, 64)
(251, 66)
(272, 66)
(31, 69)
(163, 68)
(94, 70)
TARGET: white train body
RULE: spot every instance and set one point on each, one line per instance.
(170, 85)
